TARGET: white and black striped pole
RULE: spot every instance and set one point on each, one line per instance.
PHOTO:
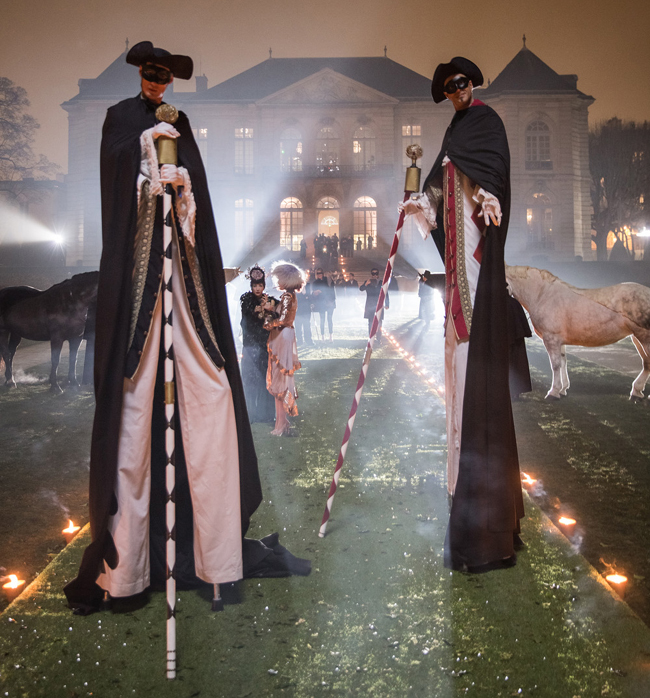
(167, 155)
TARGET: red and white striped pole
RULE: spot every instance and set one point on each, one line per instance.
(411, 186)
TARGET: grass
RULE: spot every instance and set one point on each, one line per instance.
(379, 615)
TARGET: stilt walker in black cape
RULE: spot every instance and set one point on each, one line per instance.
(487, 502)
(128, 293)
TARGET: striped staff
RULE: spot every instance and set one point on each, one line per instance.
(167, 155)
(411, 185)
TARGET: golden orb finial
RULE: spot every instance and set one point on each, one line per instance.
(167, 113)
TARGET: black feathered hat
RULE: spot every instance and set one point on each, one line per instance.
(256, 275)
(445, 70)
(145, 52)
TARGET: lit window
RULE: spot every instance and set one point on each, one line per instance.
(538, 147)
(363, 148)
(291, 223)
(244, 223)
(291, 150)
(539, 222)
(243, 150)
(365, 223)
(327, 150)
(411, 134)
(202, 137)
(327, 202)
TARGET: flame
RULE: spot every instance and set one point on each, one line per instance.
(71, 528)
(528, 480)
(616, 578)
(13, 582)
(566, 521)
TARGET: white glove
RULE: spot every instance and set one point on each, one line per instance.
(164, 129)
(410, 207)
(490, 206)
(171, 174)
(491, 211)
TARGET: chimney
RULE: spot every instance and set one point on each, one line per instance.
(201, 83)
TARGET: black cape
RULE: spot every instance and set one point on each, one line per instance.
(487, 503)
(119, 168)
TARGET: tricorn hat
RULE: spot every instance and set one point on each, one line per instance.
(146, 52)
(445, 70)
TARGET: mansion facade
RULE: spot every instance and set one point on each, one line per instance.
(296, 147)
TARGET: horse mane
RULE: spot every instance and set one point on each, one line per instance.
(76, 280)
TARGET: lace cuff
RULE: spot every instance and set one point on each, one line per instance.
(425, 216)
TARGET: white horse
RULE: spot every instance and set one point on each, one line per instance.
(562, 314)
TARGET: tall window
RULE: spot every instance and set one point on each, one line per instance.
(243, 150)
(365, 223)
(539, 221)
(363, 148)
(201, 135)
(291, 223)
(327, 150)
(411, 133)
(244, 223)
(538, 147)
(291, 150)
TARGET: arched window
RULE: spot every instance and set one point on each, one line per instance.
(244, 223)
(328, 216)
(291, 150)
(291, 223)
(363, 149)
(327, 150)
(538, 146)
(539, 222)
(365, 223)
(327, 202)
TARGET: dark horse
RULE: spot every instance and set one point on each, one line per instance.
(55, 315)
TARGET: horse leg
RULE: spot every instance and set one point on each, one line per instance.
(553, 349)
(8, 355)
(564, 374)
(55, 348)
(641, 379)
(74, 344)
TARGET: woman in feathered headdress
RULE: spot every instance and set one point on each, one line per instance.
(255, 306)
(282, 347)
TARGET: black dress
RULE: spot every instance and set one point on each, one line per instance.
(255, 360)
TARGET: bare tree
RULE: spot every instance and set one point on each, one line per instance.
(619, 160)
(17, 128)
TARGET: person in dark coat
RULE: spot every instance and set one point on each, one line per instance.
(303, 314)
(427, 295)
(127, 459)
(255, 306)
(324, 302)
(372, 288)
(465, 203)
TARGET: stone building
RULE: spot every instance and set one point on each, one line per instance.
(298, 146)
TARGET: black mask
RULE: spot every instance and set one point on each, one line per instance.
(157, 74)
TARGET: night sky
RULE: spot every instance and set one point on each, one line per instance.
(46, 47)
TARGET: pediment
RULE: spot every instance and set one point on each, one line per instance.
(328, 87)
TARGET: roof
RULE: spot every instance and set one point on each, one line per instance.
(275, 74)
(528, 73)
(119, 81)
